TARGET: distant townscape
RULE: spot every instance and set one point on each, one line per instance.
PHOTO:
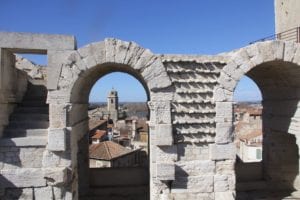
(118, 134)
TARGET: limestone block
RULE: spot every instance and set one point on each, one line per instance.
(221, 94)
(133, 54)
(36, 43)
(227, 82)
(55, 176)
(225, 167)
(224, 133)
(224, 112)
(145, 60)
(297, 56)
(43, 193)
(279, 49)
(254, 54)
(165, 153)
(240, 57)
(233, 71)
(58, 96)
(197, 184)
(56, 139)
(229, 195)
(289, 51)
(56, 159)
(221, 183)
(247, 66)
(58, 115)
(164, 135)
(110, 44)
(98, 52)
(19, 193)
(73, 116)
(165, 171)
(55, 63)
(36, 141)
(195, 167)
(161, 112)
(24, 177)
(222, 151)
(121, 51)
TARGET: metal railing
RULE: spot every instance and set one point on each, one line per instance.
(292, 35)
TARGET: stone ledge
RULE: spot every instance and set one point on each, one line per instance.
(32, 177)
(35, 141)
(36, 43)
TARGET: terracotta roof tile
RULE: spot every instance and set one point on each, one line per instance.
(107, 150)
(99, 134)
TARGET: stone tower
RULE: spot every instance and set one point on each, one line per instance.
(113, 104)
(287, 15)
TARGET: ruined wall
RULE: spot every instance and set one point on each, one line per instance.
(192, 155)
(197, 175)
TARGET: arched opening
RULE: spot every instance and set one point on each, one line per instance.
(121, 176)
(248, 134)
(279, 178)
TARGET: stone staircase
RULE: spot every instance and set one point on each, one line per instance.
(118, 193)
(31, 117)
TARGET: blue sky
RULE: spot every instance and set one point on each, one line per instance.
(164, 26)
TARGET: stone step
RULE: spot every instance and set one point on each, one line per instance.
(42, 98)
(33, 116)
(119, 190)
(34, 103)
(32, 110)
(251, 185)
(29, 124)
(24, 141)
(118, 193)
(13, 132)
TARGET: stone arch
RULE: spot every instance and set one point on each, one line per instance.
(274, 67)
(77, 71)
(240, 63)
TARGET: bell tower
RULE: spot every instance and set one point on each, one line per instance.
(113, 104)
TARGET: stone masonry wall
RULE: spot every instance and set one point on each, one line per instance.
(192, 155)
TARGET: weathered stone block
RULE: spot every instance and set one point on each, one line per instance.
(229, 195)
(165, 153)
(221, 183)
(55, 63)
(224, 133)
(164, 135)
(197, 184)
(27, 177)
(58, 115)
(56, 139)
(43, 193)
(221, 94)
(222, 151)
(195, 168)
(225, 167)
(224, 112)
(227, 82)
(36, 43)
(56, 176)
(289, 51)
(165, 171)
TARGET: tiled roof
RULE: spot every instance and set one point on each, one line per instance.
(93, 123)
(99, 134)
(107, 150)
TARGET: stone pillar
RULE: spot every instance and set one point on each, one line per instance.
(162, 152)
(8, 86)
